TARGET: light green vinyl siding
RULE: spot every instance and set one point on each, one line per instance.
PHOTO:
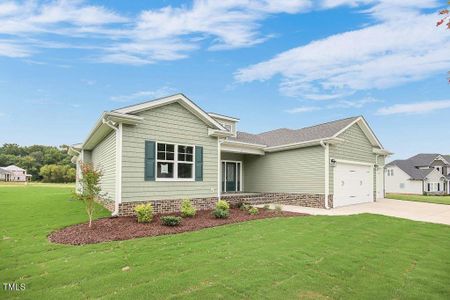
(292, 171)
(356, 147)
(232, 156)
(103, 157)
(171, 124)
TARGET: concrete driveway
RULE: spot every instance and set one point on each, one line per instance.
(417, 211)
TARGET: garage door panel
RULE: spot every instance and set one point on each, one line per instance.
(352, 184)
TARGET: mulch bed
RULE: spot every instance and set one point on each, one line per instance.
(125, 228)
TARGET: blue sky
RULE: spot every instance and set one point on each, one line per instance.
(284, 63)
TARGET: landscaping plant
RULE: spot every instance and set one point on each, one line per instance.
(171, 220)
(278, 209)
(253, 211)
(89, 191)
(266, 206)
(187, 209)
(144, 213)
(222, 210)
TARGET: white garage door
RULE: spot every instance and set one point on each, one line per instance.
(353, 184)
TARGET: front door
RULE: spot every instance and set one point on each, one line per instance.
(231, 176)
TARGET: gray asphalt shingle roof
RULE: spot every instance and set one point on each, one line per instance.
(410, 165)
(284, 136)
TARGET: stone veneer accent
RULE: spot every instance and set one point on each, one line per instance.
(170, 206)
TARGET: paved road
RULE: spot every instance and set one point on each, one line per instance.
(418, 211)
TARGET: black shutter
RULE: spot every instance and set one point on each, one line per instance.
(198, 163)
(149, 173)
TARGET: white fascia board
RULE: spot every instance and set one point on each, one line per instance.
(244, 144)
(222, 117)
(181, 99)
(100, 129)
(381, 151)
(303, 144)
(219, 133)
(241, 149)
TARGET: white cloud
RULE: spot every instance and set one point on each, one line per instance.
(359, 103)
(164, 91)
(302, 109)
(375, 57)
(353, 103)
(10, 49)
(414, 108)
(168, 33)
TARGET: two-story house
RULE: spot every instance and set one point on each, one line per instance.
(424, 174)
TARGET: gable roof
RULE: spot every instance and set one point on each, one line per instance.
(177, 98)
(408, 167)
(285, 136)
(13, 168)
(4, 171)
(411, 165)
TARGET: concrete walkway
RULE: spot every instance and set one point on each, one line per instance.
(417, 211)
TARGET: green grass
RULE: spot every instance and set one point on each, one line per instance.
(358, 257)
(420, 198)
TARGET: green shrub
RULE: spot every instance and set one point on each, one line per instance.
(253, 211)
(221, 213)
(245, 207)
(278, 209)
(171, 220)
(222, 204)
(144, 213)
(187, 209)
(266, 206)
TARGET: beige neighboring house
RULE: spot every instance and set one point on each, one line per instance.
(169, 149)
(14, 173)
(422, 174)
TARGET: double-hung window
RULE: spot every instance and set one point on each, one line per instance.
(174, 162)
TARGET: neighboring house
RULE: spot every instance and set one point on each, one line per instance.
(13, 173)
(422, 174)
(169, 149)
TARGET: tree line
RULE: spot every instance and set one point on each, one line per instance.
(44, 163)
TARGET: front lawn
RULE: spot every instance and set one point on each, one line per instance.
(359, 257)
(420, 198)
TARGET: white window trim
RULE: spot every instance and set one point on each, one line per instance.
(175, 163)
(434, 187)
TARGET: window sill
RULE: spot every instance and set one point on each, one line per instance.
(175, 179)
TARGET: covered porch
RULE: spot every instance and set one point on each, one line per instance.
(233, 156)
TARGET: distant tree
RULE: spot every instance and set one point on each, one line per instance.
(33, 158)
(57, 173)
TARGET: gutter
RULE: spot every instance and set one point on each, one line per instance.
(326, 147)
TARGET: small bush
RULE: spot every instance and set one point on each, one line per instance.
(222, 204)
(171, 220)
(266, 206)
(187, 209)
(221, 213)
(144, 213)
(278, 209)
(244, 207)
(253, 211)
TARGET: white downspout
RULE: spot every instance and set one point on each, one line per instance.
(219, 166)
(326, 147)
(118, 174)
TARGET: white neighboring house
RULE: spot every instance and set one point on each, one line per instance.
(14, 173)
(422, 174)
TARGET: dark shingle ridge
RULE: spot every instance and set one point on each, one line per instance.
(284, 136)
